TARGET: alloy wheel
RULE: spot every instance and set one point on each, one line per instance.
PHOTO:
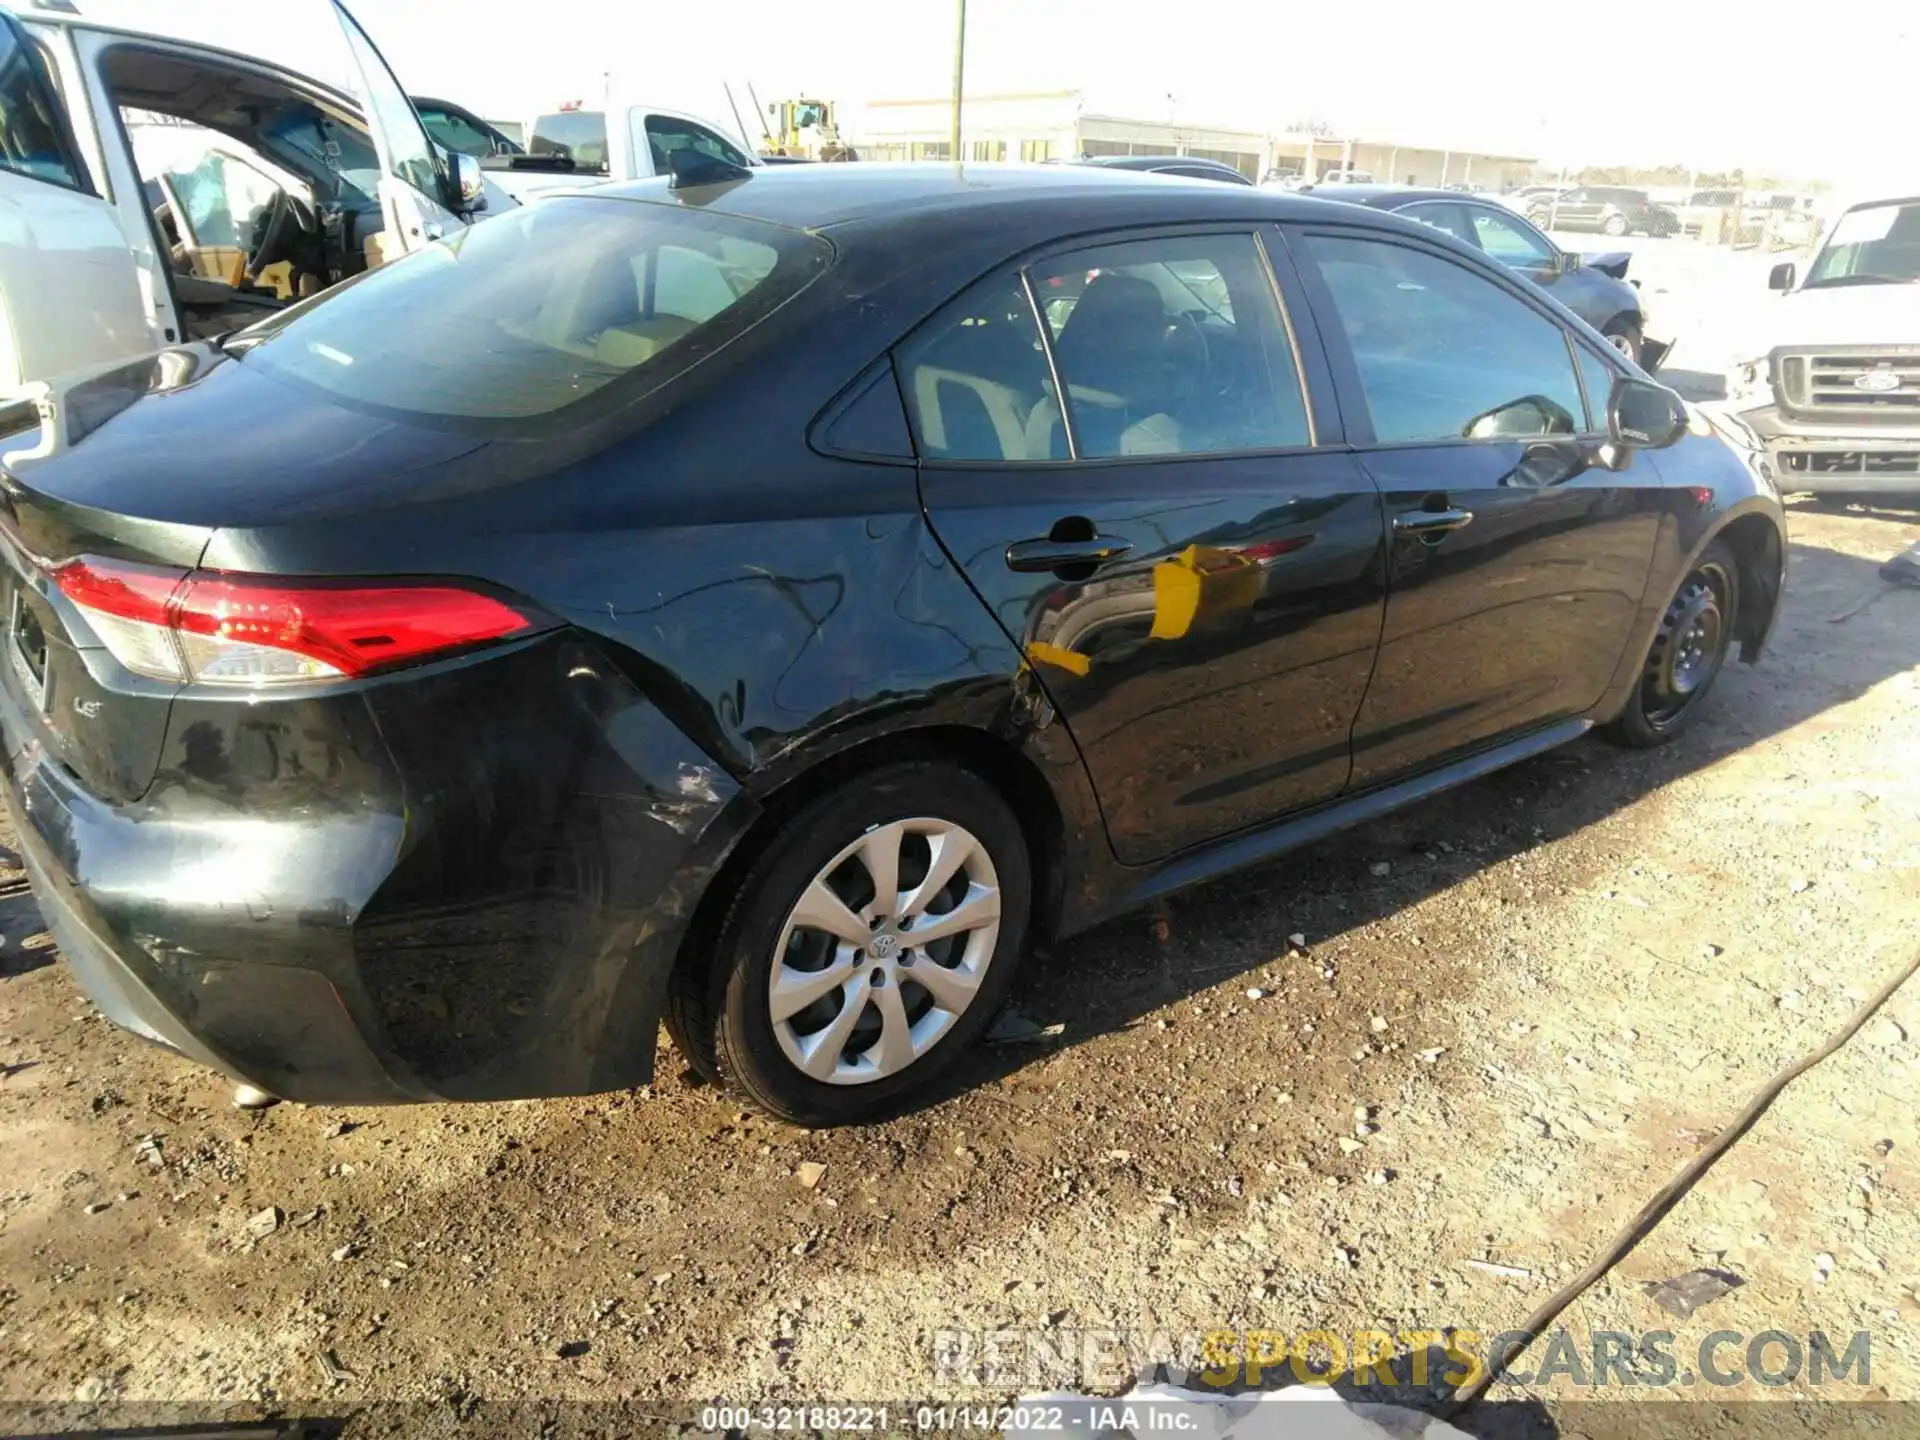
(884, 951)
(1626, 345)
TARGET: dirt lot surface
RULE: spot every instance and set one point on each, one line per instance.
(1518, 1009)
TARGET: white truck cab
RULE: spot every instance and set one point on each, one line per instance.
(570, 147)
(1832, 392)
(98, 265)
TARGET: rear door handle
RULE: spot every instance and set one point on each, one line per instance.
(1030, 556)
(1431, 524)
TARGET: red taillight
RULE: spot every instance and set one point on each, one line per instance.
(254, 630)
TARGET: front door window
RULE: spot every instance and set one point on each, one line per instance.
(1442, 352)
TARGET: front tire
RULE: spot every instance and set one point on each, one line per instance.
(871, 942)
(1624, 336)
(1692, 643)
(1615, 225)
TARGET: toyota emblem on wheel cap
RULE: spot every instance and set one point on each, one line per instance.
(1878, 381)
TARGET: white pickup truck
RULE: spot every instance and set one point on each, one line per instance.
(97, 265)
(571, 147)
(1834, 397)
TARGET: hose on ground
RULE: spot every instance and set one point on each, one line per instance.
(1669, 1195)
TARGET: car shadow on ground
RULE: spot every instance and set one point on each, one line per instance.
(1900, 509)
(1844, 631)
(19, 922)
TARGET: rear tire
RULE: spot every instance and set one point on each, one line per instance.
(764, 1018)
(1615, 225)
(1691, 644)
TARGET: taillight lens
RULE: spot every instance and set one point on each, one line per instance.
(216, 628)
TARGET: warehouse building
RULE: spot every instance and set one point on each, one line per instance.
(1057, 125)
(1389, 162)
(1046, 125)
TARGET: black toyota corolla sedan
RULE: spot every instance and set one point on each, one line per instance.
(764, 606)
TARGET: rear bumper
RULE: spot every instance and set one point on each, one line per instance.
(481, 898)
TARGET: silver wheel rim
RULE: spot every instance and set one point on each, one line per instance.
(884, 951)
(1624, 344)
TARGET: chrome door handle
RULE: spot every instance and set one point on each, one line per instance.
(1049, 554)
(1431, 524)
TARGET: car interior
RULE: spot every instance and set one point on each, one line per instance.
(1150, 354)
(290, 246)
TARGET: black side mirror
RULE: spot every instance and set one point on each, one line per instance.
(1644, 416)
(1782, 277)
(691, 169)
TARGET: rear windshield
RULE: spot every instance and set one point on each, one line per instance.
(576, 135)
(536, 311)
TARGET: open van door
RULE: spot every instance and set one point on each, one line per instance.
(70, 293)
(414, 181)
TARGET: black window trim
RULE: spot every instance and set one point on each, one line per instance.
(45, 73)
(1020, 267)
(1610, 361)
(1346, 373)
(880, 373)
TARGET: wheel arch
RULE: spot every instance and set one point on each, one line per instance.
(1634, 319)
(1003, 765)
(1759, 547)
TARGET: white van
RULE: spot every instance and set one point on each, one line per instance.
(97, 265)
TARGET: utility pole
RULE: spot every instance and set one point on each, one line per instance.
(959, 70)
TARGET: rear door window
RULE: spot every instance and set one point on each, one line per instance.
(1169, 346)
(974, 374)
(1174, 345)
(1442, 352)
(539, 310)
(35, 140)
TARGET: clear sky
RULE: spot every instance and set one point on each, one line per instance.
(1804, 88)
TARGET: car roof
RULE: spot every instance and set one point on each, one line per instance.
(822, 197)
(1386, 197)
(1149, 162)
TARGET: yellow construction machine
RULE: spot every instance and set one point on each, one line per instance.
(803, 129)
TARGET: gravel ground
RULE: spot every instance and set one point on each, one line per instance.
(1517, 1010)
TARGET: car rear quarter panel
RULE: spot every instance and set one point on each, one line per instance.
(485, 864)
(778, 605)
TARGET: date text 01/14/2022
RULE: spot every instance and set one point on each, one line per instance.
(881, 1419)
